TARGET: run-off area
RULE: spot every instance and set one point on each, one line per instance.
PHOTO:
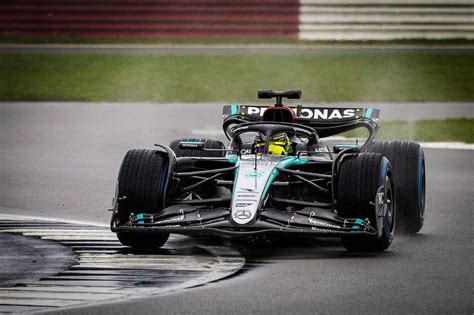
(52, 265)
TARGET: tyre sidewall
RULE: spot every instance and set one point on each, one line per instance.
(360, 179)
(408, 164)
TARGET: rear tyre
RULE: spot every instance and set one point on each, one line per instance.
(141, 184)
(208, 144)
(364, 182)
(408, 164)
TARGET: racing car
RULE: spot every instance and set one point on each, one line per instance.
(281, 173)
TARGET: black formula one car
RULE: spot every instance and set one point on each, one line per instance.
(280, 174)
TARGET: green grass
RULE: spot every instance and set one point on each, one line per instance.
(425, 130)
(372, 77)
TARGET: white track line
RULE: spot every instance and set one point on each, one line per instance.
(448, 145)
(109, 273)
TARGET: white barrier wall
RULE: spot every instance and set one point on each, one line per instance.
(386, 19)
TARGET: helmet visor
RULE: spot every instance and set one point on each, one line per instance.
(276, 149)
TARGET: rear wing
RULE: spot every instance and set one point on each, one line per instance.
(327, 121)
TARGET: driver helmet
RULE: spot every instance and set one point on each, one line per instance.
(279, 144)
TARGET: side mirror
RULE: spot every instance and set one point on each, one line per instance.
(191, 145)
(339, 147)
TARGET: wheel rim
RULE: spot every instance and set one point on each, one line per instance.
(389, 220)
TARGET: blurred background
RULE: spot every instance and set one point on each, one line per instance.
(238, 19)
(222, 51)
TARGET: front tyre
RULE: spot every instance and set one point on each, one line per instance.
(408, 163)
(365, 191)
(142, 241)
(141, 189)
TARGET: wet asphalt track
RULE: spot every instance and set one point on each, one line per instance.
(52, 264)
(62, 161)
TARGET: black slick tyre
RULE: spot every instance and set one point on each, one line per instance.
(364, 185)
(143, 241)
(208, 144)
(141, 189)
(408, 164)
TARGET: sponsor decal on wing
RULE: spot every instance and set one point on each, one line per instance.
(309, 113)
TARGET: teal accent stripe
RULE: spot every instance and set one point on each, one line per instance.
(346, 145)
(191, 142)
(290, 161)
(234, 109)
(368, 112)
(232, 159)
(358, 223)
(285, 163)
(140, 217)
(269, 182)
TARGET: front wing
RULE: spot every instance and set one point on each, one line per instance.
(188, 220)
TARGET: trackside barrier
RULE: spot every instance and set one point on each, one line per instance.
(386, 19)
(238, 19)
(157, 19)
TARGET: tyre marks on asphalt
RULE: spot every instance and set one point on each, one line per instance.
(104, 270)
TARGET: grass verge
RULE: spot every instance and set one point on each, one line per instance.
(461, 130)
(369, 77)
